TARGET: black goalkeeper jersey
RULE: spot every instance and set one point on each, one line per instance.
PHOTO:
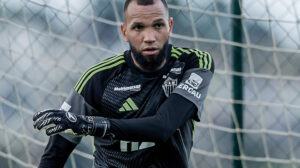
(116, 89)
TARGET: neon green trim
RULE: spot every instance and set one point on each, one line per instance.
(184, 50)
(127, 107)
(200, 52)
(82, 77)
(132, 104)
(209, 61)
(200, 60)
(174, 55)
(197, 53)
(205, 61)
(194, 129)
(121, 109)
(200, 55)
(99, 65)
(175, 51)
(191, 50)
(98, 70)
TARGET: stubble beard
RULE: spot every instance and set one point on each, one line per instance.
(150, 62)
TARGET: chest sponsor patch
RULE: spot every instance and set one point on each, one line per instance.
(128, 88)
(176, 70)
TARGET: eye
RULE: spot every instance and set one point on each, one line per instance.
(158, 25)
(138, 27)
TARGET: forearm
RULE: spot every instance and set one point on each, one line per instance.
(186, 102)
(56, 152)
(171, 115)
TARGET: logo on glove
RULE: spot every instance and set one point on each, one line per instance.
(71, 117)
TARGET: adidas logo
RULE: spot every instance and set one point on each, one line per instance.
(129, 105)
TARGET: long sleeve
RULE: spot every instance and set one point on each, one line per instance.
(170, 116)
(56, 152)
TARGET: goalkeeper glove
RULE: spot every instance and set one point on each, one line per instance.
(60, 121)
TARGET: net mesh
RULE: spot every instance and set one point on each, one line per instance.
(47, 44)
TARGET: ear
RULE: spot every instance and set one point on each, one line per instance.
(170, 26)
(124, 33)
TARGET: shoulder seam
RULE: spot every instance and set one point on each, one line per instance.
(103, 65)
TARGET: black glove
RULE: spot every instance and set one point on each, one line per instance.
(60, 121)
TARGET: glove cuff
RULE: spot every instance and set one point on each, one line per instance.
(101, 126)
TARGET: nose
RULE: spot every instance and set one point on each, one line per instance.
(149, 36)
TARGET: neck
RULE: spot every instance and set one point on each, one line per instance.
(145, 69)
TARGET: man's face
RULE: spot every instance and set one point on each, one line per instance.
(147, 29)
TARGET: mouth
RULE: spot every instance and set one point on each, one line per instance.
(150, 51)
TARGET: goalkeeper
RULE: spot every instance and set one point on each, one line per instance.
(139, 105)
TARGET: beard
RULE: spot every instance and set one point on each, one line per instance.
(150, 62)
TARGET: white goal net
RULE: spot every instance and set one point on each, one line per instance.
(45, 45)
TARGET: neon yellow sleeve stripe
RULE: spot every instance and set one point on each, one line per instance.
(98, 70)
(175, 51)
(205, 61)
(95, 67)
(200, 56)
(101, 64)
(200, 59)
(174, 55)
(196, 52)
(184, 50)
(194, 125)
(209, 61)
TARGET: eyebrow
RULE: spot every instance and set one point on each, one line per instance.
(137, 23)
(158, 20)
(141, 23)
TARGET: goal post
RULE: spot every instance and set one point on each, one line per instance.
(47, 44)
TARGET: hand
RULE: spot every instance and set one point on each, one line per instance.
(60, 121)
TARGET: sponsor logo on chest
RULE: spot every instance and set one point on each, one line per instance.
(128, 88)
(176, 70)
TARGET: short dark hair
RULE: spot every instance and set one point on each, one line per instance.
(143, 2)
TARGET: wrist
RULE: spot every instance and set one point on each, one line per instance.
(101, 126)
